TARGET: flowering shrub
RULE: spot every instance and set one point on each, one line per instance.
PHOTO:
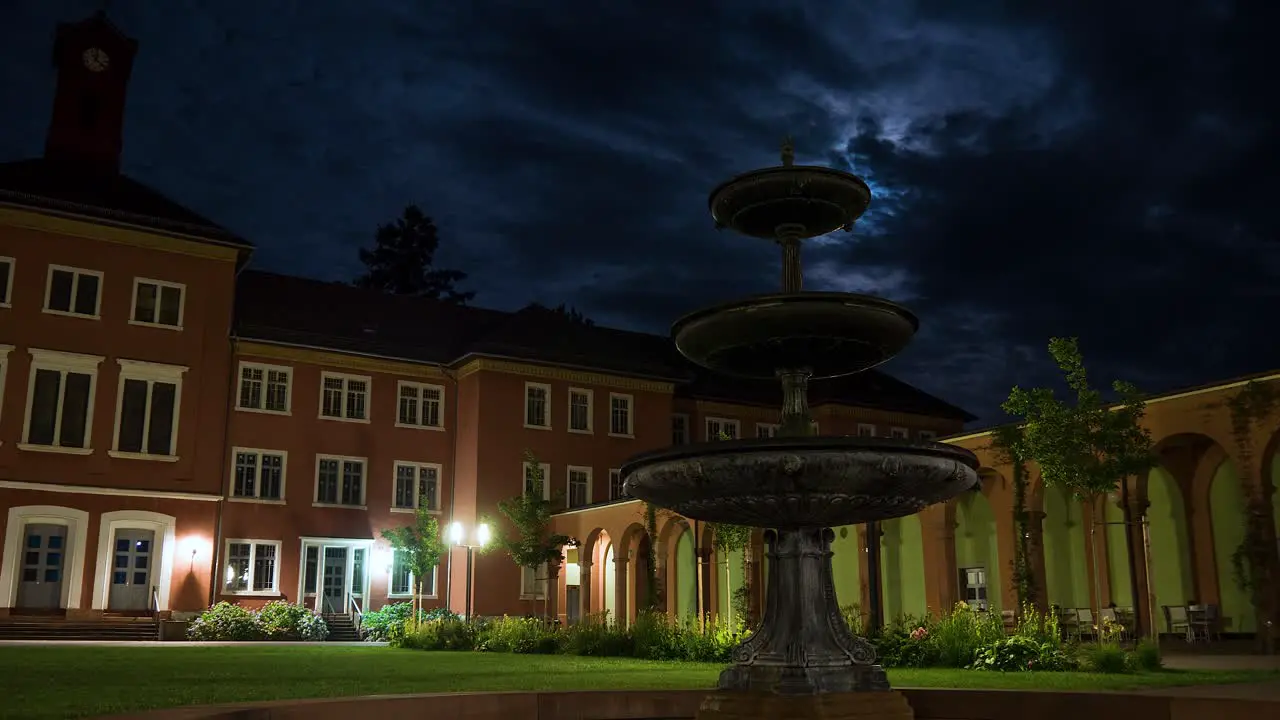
(278, 620)
(919, 633)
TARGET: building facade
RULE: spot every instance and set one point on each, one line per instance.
(177, 430)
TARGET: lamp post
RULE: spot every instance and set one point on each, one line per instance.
(479, 538)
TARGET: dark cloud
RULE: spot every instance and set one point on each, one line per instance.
(1097, 169)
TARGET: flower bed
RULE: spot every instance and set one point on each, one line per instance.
(277, 620)
(962, 638)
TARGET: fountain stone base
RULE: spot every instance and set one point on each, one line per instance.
(730, 705)
(803, 645)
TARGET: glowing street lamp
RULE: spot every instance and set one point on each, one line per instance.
(478, 540)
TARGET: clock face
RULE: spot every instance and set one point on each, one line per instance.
(95, 60)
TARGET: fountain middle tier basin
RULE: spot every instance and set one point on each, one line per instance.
(801, 482)
(830, 333)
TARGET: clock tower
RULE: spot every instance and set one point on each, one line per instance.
(93, 59)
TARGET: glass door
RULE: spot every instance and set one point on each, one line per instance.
(334, 582)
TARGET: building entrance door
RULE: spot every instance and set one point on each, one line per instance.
(334, 582)
(572, 603)
(40, 576)
(973, 587)
(131, 570)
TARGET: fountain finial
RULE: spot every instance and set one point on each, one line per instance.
(788, 152)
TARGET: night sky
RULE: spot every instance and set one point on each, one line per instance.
(1102, 169)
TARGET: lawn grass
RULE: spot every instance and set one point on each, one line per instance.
(78, 681)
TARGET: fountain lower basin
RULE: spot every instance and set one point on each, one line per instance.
(801, 482)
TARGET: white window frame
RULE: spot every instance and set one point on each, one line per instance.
(62, 362)
(75, 285)
(568, 484)
(688, 434)
(364, 482)
(590, 395)
(7, 301)
(182, 303)
(869, 427)
(266, 370)
(257, 479)
(253, 544)
(417, 467)
(419, 387)
(346, 378)
(546, 478)
(927, 435)
(435, 581)
(631, 415)
(773, 429)
(899, 433)
(616, 473)
(723, 423)
(539, 585)
(4, 374)
(150, 373)
(546, 404)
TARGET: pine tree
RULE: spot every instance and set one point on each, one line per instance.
(402, 261)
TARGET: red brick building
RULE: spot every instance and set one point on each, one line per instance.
(176, 430)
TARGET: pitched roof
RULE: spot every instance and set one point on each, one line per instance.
(49, 185)
(301, 311)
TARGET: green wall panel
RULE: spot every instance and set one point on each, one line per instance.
(1170, 555)
(976, 544)
(1065, 567)
(1226, 508)
(902, 563)
(686, 576)
(845, 564)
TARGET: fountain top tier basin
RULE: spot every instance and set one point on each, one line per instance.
(829, 333)
(809, 200)
(801, 482)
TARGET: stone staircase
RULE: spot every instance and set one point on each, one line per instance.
(341, 629)
(36, 628)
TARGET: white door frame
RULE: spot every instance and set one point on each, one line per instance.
(162, 555)
(321, 543)
(76, 521)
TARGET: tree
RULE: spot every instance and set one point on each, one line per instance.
(422, 545)
(529, 540)
(569, 312)
(1010, 448)
(402, 261)
(1089, 447)
(734, 538)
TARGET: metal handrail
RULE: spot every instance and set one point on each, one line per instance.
(354, 612)
(155, 610)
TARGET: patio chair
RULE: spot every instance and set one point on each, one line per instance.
(1009, 620)
(1087, 625)
(1109, 616)
(1205, 622)
(1069, 622)
(1176, 621)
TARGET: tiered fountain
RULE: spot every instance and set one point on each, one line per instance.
(802, 661)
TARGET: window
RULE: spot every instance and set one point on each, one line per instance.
(616, 490)
(536, 476)
(579, 486)
(580, 410)
(416, 485)
(928, 435)
(421, 405)
(344, 397)
(620, 415)
(60, 402)
(402, 580)
(6, 282)
(72, 291)
(866, 430)
(722, 429)
(533, 582)
(264, 388)
(537, 406)
(156, 302)
(252, 567)
(257, 474)
(147, 409)
(679, 429)
(766, 430)
(898, 433)
(339, 481)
